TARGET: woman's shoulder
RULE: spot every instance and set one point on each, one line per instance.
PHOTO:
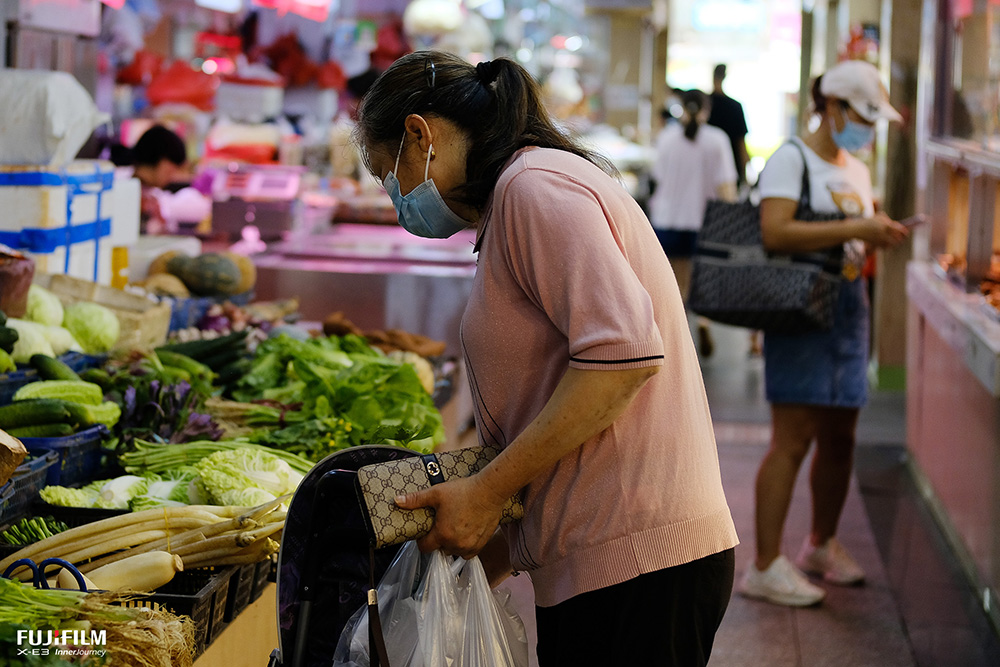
(546, 163)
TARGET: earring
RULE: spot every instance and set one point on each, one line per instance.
(433, 154)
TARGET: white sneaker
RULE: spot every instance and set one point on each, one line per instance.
(831, 561)
(780, 583)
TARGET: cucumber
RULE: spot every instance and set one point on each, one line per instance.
(203, 349)
(51, 368)
(98, 376)
(184, 362)
(232, 372)
(222, 359)
(36, 411)
(8, 337)
(54, 430)
(75, 391)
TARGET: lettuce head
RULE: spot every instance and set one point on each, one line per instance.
(95, 327)
(44, 307)
(245, 477)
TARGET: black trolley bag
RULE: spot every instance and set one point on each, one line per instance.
(736, 281)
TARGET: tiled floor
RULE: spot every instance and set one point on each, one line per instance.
(916, 608)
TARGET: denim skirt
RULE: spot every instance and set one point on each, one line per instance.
(827, 368)
(677, 242)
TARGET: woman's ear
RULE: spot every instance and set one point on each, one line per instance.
(418, 128)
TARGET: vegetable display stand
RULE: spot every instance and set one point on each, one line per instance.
(27, 481)
(80, 455)
(200, 594)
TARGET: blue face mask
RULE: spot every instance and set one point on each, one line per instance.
(854, 136)
(422, 211)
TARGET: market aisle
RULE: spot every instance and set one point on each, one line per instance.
(858, 626)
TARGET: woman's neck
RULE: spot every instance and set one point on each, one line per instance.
(822, 143)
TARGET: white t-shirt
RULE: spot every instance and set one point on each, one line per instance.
(688, 174)
(833, 188)
(846, 189)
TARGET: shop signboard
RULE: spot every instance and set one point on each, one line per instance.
(76, 17)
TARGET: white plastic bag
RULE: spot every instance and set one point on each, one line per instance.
(47, 117)
(437, 612)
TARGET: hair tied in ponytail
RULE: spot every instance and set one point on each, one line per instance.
(488, 71)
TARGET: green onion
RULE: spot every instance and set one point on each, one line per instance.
(158, 458)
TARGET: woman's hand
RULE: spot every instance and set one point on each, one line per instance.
(466, 515)
(880, 231)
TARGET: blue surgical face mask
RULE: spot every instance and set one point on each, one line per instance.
(854, 136)
(422, 211)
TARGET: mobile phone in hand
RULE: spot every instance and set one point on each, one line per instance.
(914, 220)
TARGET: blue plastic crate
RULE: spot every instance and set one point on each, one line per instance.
(80, 455)
(27, 480)
(11, 382)
(186, 313)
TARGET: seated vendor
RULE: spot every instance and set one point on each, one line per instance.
(158, 157)
(157, 160)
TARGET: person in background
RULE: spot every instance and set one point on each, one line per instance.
(157, 158)
(816, 382)
(627, 534)
(693, 165)
(727, 115)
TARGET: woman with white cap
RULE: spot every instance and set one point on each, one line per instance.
(816, 383)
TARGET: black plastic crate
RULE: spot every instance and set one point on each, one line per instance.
(6, 495)
(240, 590)
(80, 455)
(261, 578)
(200, 594)
(27, 480)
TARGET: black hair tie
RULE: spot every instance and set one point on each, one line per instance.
(488, 71)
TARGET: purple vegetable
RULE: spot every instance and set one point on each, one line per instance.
(214, 323)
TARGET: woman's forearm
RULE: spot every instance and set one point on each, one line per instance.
(583, 404)
(800, 236)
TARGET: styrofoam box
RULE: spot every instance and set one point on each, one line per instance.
(45, 207)
(249, 102)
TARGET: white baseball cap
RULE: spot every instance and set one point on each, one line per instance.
(857, 82)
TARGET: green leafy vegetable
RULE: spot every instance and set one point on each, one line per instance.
(64, 496)
(345, 393)
(95, 327)
(246, 477)
(43, 307)
(31, 529)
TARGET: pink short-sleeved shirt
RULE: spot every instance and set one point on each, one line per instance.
(570, 274)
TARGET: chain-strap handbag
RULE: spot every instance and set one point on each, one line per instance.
(735, 281)
(389, 524)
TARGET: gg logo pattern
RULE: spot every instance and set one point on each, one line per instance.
(380, 483)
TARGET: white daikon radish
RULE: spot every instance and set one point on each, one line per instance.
(142, 572)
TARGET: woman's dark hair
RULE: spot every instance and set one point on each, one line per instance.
(157, 144)
(694, 102)
(497, 103)
(818, 99)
